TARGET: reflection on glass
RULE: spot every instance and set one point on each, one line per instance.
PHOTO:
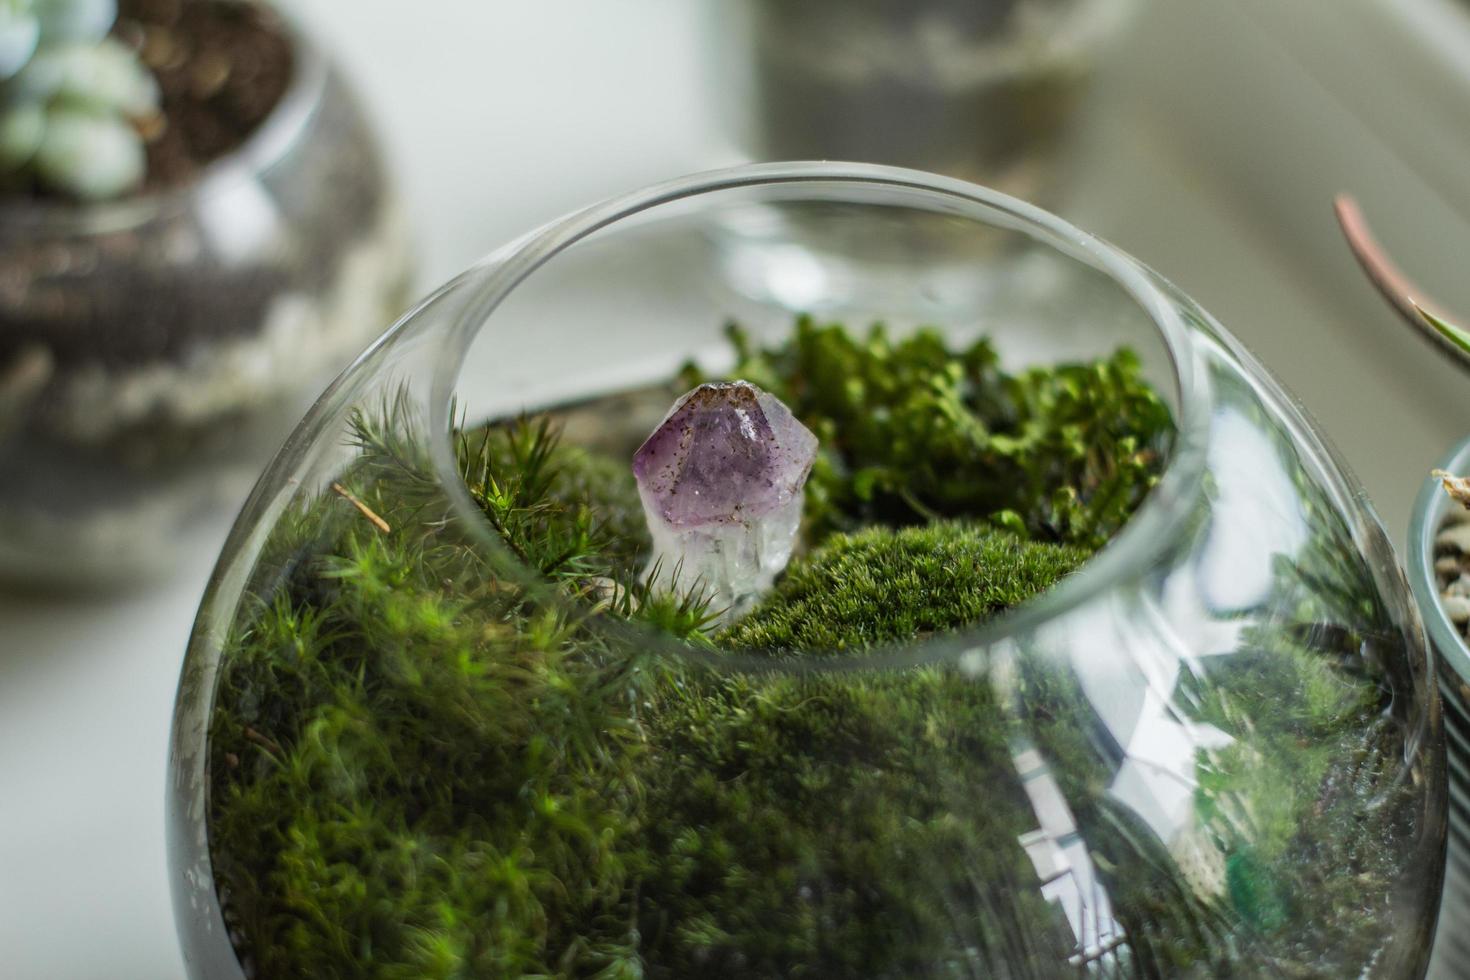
(1257, 519)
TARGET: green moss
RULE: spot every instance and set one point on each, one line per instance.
(421, 769)
(911, 431)
(813, 826)
(424, 775)
(885, 586)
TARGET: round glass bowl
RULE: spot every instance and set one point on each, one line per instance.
(155, 350)
(1431, 513)
(1214, 750)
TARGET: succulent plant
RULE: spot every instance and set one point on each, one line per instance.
(71, 99)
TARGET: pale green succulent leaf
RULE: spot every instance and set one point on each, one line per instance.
(75, 20)
(1455, 335)
(21, 130)
(89, 155)
(104, 75)
(20, 32)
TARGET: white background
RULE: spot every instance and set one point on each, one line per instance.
(1219, 139)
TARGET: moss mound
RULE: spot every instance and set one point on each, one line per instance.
(885, 586)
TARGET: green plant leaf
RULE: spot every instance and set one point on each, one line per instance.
(1455, 335)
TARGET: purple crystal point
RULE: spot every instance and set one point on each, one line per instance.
(721, 483)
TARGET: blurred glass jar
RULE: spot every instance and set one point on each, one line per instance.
(1216, 750)
(983, 90)
(154, 350)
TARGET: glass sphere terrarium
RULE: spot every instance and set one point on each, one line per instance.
(1087, 657)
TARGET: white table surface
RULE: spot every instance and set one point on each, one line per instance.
(503, 116)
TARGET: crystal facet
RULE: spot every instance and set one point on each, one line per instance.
(721, 483)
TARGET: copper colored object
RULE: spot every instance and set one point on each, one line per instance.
(1407, 299)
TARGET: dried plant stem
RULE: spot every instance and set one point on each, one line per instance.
(1458, 487)
(367, 511)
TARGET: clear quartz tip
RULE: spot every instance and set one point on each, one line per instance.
(721, 482)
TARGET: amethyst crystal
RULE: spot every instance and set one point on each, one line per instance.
(721, 482)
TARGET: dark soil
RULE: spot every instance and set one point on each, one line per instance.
(221, 69)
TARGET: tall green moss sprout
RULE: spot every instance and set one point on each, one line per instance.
(420, 768)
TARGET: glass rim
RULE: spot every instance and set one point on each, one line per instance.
(1430, 508)
(265, 146)
(1150, 532)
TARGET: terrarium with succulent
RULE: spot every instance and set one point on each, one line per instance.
(196, 233)
(1048, 639)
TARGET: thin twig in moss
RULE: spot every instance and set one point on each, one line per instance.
(363, 508)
